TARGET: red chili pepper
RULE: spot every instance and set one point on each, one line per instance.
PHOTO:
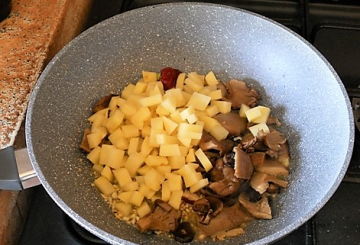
(168, 77)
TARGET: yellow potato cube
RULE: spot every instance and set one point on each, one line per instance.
(154, 161)
(94, 155)
(169, 125)
(143, 210)
(190, 157)
(191, 131)
(199, 101)
(115, 157)
(180, 80)
(140, 180)
(143, 114)
(101, 130)
(94, 139)
(107, 173)
(161, 111)
(145, 147)
(169, 150)
(243, 109)
(192, 85)
(203, 159)
(127, 91)
(212, 110)
(122, 143)
(156, 123)
(196, 77)
(116, 135)
(199, 185)
(165, 191)
(113, 103)
(146, 191)
(185, 141)
(140, 87)
(256, 128)
(104, 185)
(189, 175)
(99, 114)
(175, 199)
(178, 95)
(152, 179)
(152, 100)
(124, 208)
(97, 168)
(149, 76)
(169, 103)
(134, 145)
(253, 113)
(134, 162)
(176, 162)
(104, 153)
(219, 132)
(143, 169)
(176, 117)
(122, 176)
(224, 106)
(164, 139)
(125, 196)
(145, 131)
(215, 95)
(130, 131)
(132, 186)
(265, 112)
(164, 169)
(211, 79)
(128, 109)
(175, 182)
(209, 122)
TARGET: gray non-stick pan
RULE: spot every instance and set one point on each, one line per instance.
(293, 78)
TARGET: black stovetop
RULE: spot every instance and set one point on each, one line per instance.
(333, 27)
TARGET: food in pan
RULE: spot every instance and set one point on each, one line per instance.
(187, 155)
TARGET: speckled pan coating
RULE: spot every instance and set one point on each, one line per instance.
(292, 77)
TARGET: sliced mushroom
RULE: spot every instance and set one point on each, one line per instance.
(207, 207)
(208, 142)
(184, 233)
(243, 165)
(248, 141)
(257, 158)
(102, 103)
(274, 139)
(238, 93)
(260, 209)
(260, 182)
(272, 167)
(232, 122)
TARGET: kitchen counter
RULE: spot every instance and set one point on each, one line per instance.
(32, 34)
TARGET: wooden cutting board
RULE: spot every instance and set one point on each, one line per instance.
(32, 34)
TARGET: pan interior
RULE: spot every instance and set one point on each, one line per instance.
(292, 78)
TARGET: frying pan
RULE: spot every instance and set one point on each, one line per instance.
(294, 79)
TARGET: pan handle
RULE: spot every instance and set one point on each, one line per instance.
(16, 171)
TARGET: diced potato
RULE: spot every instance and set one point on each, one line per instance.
(161, 111)
(211, 79)
(164, 169)
(125, 196)
(146, 191)
(243, 109)
(94, 139)
(165, 191)
(122, 176)
(152, 179)
(127, 90)
(130, 131)
(212, 110)
(219, 132)
(98, 168)
(132, 186)
(104, 185)
(107, 173)
(176, 117)
(265, 112)
(116, 135)
(102, 130)
(180, 80)
(209, 122)
(178, 95)
(140, 87)
(169, 104)
(115, 119)
(122, 143)
(104, 153)
(224, 106)
(199, 101)
(169, 150)
(113, 103)
(191, 131)
(196, 77)
(194, 85)
(145, 131)
(257, 127)
(99, 114)
(143, 210)
(215, 95)
(176, 162)
(128, 108)
(175, 182)
(134, 145)
(136, 198)
(186, 113)
(124, 208)
(189, 175)
(140, 180)
(146, 148)
(190, 157)
(149, 76)
(156, 123)
(143, 169)
(134, 162)
(169, 125)
(185, 141)
(115, 157)
(164, 139)
(199, 185)
(175, 199)
(204, 160)
(253, 113)
(94, 155)
(153, 161)
(143, 114)
(151, 100)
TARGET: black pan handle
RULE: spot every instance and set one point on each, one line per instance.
(16, 171)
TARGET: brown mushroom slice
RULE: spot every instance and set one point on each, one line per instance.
(257, 158)
(229, 218)
(248, 141)
(239, 93)
(102, 103)
(243, 165)
(208, 142)
(274, 139)
(260, 209)
(274, 168)
(163, 218)
(260, 182)
(84, 145)
(208, 207)
(232, 122)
